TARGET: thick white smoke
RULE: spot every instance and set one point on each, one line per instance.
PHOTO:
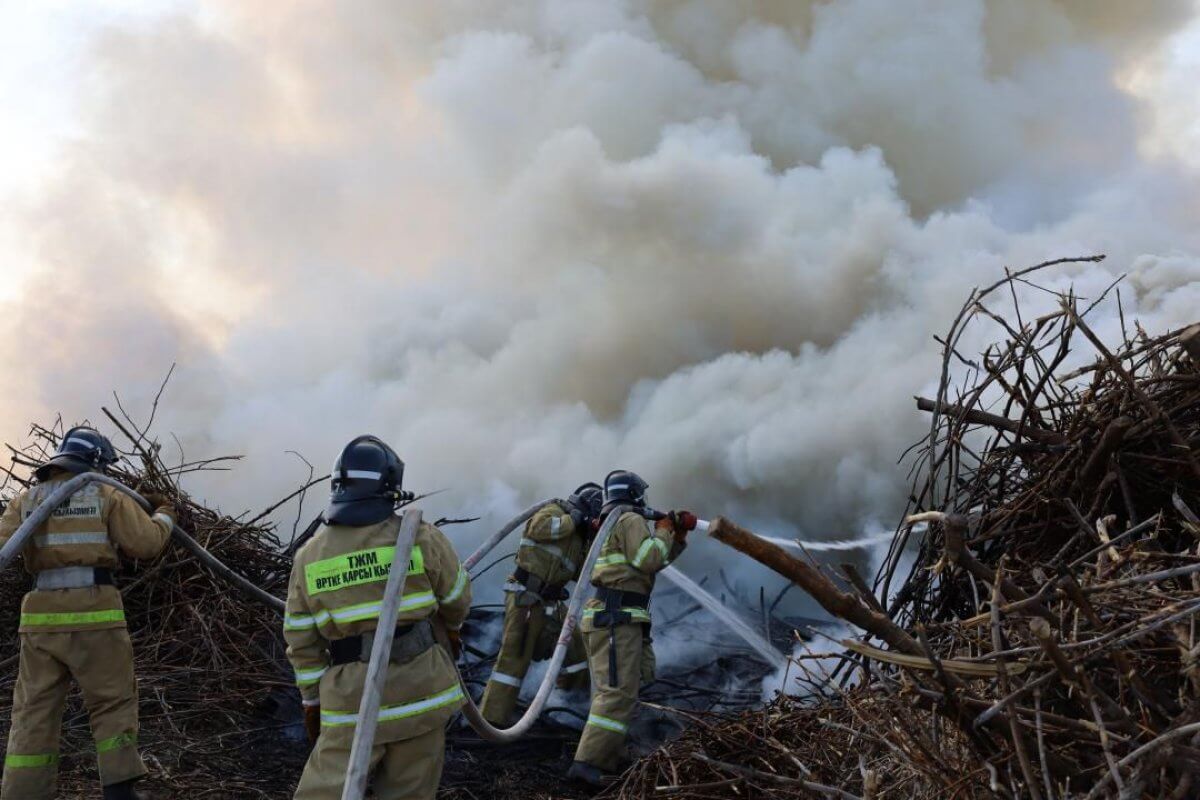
(528, 242)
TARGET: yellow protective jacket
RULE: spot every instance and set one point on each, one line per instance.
(336, 590)
(88, 530)
(552, 548)
(629, 561)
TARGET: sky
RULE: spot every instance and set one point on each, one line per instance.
(531, 241)
(43, 49)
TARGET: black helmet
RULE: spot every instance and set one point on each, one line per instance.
(626, 488)
(588, 499)
(366, 481)
(81, 450)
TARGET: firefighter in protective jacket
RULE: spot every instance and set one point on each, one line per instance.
(616, 622)
(552, 550)
(73, 622)
(334, 597)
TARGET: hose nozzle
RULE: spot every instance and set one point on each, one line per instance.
(702, 525)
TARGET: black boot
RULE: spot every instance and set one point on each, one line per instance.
(122, 791)
(583, 771)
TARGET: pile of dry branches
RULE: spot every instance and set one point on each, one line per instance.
(216, 694)
(1043, 641)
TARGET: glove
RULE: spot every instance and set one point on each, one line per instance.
(312, 723)
(455, 639)
(157, 500)
(678, 522)
(685, 522)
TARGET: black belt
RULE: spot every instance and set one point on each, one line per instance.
(616, 599)
(408, 642)
(614, 614)
(550, 592)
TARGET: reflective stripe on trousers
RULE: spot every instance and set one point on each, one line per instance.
(13, 760)
(72, 618)
(607, 724)
(116, 742)
(507, 680)
(636, 614)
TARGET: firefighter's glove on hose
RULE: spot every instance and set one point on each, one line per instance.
(312, 723)
(455, 639)
(681, 523)
(685, 522)
(157, 500)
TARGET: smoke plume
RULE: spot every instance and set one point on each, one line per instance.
(529, 242)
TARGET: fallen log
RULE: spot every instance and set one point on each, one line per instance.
(841, 604)
(978, 417)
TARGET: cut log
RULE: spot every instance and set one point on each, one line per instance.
(1189, 340)
(841, 604)
(992, 421)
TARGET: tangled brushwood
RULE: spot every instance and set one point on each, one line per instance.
(1043, 642)
(216, 695)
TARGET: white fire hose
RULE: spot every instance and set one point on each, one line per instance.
(582, 588)
(500, 535)
(358, 771)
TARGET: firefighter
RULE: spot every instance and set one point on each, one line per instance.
(553, 547)
(334, 596)
(616, 622)
(73, 621)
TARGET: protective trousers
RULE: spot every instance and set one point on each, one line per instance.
(101, 662)
(530, 634)
(603, 742)
(410, 769)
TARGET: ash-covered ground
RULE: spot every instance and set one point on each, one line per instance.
(702, 669)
